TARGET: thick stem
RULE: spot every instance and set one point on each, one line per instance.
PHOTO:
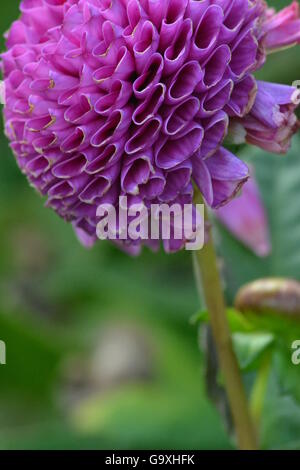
(208, 274)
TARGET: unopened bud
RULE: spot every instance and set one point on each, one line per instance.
(274, 295)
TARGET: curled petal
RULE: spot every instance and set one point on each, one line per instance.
(207, 32)
(214, 132)
(70, 168)
(145, 136)
(178, 117)
(99, 185)
(184, 83)
(215, 67)
(136, 172)
(172, 21)
(147, 45)
(108, 156)
(216, 99)
(170, 153)
(150, 77)
(154, 186)
(176, 54)
(223, 177)
(233, 21)
(147, 109)
(177, 179)
(118, 97)
(242, 97)
(244, 55)
(114, 127)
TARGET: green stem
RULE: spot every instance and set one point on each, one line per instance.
(258, 394)
(208, 281)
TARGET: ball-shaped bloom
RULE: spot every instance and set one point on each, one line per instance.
(109, 98)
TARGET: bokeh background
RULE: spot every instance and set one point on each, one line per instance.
(101, 352)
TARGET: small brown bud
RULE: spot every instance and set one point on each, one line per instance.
(272, 295)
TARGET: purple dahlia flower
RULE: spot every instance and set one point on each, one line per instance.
(109, 98)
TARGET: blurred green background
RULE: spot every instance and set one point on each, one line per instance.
(101, 352)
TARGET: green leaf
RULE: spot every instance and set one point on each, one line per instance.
(281, 423)
(237, 321)
(249, 341)
(288, 373)
(250, 348)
